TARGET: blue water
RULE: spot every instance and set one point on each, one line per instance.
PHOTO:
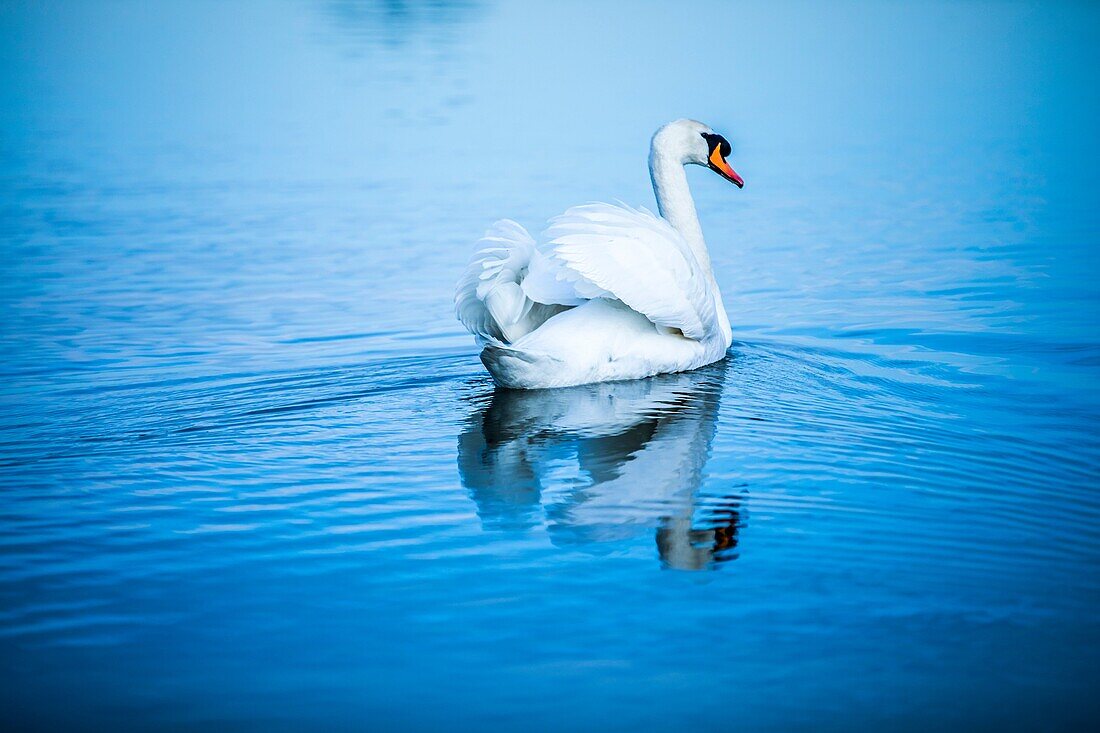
(254, 476)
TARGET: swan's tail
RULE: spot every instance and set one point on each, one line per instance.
(513, 367)
(489, 299)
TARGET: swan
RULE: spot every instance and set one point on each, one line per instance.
(612, 292)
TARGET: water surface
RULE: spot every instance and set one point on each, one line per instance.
(255, 478)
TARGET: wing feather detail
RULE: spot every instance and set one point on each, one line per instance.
(605, 250)
(488, 298)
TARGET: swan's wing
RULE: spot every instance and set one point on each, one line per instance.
(488, 294)
(602, 250)
(548, 281)
(489, 300)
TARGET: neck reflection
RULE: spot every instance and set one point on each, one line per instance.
(601, 463)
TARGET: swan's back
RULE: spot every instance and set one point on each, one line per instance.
(611, 293)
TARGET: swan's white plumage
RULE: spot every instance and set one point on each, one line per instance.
(489, 299)
(611, 293)
(497, 267)
(631, 255)
(548, 281)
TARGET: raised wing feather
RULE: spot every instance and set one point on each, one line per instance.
(548, 281)
(604, 250)
(488, 297)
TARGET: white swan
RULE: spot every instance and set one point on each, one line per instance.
(612, 292)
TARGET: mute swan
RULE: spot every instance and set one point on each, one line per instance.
(612, 292)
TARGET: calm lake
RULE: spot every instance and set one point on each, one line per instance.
(254, 476)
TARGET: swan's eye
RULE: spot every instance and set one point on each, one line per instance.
(717, 142)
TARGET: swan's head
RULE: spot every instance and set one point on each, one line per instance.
(693, 142)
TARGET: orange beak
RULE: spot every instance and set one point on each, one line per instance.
(720, 166)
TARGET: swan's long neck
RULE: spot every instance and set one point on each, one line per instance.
(670, 187)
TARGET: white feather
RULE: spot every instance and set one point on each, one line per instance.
(612, 292)
(636, 257)
(488, 299)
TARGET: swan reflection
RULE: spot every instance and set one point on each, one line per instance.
(603, 462)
